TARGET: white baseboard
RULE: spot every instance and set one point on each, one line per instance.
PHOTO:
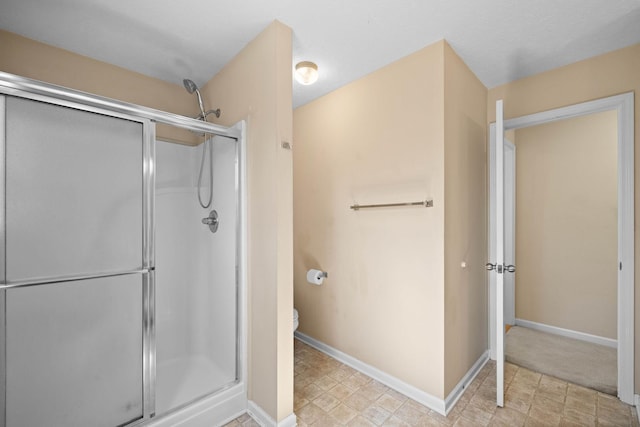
(461, 387)
(637, 401)
(441, 406)
(568, 333)
(265, 420)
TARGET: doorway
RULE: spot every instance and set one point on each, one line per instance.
(623, 106)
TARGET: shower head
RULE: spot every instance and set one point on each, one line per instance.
(191, 87)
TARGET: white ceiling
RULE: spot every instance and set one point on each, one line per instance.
(500, 40)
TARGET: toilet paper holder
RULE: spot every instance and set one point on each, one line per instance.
(316, 277)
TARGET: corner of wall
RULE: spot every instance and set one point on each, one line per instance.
(465, 221)
(266, 105)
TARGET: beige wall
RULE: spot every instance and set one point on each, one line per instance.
(376, 140)
(29, 58)
(414, 129)
(265, 102)
(605, 75)
(465, 220)
(566, 224)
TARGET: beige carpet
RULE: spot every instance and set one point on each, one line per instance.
(586, 364)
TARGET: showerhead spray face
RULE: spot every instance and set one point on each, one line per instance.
(191, 87)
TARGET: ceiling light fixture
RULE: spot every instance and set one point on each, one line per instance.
(306, 72)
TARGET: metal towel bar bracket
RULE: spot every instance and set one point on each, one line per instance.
(424, 203)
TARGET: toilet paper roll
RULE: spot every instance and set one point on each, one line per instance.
(315, 277)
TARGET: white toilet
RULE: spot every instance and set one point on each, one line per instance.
(295, 319)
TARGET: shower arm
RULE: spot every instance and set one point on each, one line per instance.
(204, 114)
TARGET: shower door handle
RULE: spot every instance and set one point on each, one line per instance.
(211, 221)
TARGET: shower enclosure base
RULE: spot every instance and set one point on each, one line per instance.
(185, 379)
(212, 411)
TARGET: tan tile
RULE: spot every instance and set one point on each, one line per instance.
(340, 392)
(570, 423)
(417, 406)
(343, 413)
(408, 413)
(353, 382)
(463, 401)
(477, 415)
(361, 421)
(389, 402)
(486, 391)
(299, 403)
(395, 422)
(509, 416)
(522, 389)
(233, 423)
(497, 422)
(310, 392)
(551, 395)
(327, 420)
(581, 392)
(525, 376)
(610, 402)
(371, 392)
(547, 404)
(449, 420)
(553, 385)
(490, 380)
(429, 421)
(519, 401)
(300, 382)
(326, 402)
(396, 395)
(488, 405)
(463, 422)
(339, 374)
(376, 414)
(545, 417)
(361, 378)
(588, 405)
(532, 422)
(572, 415)
(310, 413)
(325, 383)
(616, 417)
(357, 402)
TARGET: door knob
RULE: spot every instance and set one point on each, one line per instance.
(510, 268)
(490, 266)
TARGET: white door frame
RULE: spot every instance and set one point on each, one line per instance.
(624, 105)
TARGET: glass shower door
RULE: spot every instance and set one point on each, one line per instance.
(73, 278)
(196, 286)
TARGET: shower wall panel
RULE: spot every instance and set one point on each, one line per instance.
(196, 288)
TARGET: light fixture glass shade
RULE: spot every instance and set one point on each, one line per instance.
(306, 72)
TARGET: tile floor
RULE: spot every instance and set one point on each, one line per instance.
(329, 393)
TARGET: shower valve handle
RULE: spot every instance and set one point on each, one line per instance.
(211, 221)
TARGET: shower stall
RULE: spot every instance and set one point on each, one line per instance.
(122, 300)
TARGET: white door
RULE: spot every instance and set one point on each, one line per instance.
(496, 265)
(509, 230)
